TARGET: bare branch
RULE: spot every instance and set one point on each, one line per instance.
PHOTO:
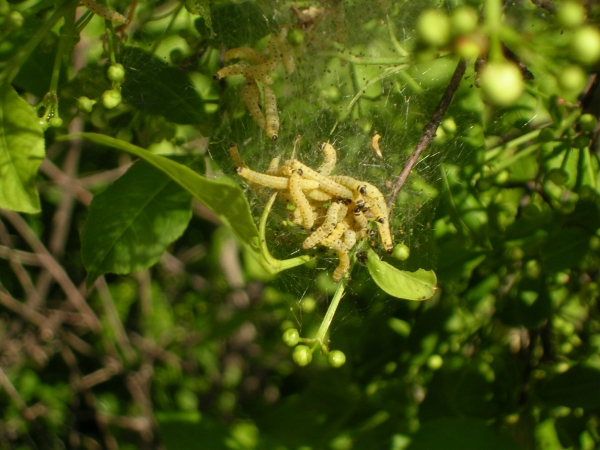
(429, 131)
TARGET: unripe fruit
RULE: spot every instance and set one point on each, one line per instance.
(588, 122)
(336, 358)
(55, 122)
(434, 362)
(581, 141)
(570, 14)
(502, 83)
(466, 48)
(111, 98)
(401, 252)
(302, 355)
(116, 72)
(291, 337)
(433, 28)
(501, 177)
(125, 134)
(558, 176)
(449, 126)
(14, 21)
(572, 78)
(547, 135)
(296, 37)
(4, 8)
(585, 44)
(464, 20)
(85, 104)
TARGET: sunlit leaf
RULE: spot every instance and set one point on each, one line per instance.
(130, 224)
(225, 200)
(21, 152)
(418, 285)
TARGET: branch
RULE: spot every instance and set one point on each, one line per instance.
(429, 131)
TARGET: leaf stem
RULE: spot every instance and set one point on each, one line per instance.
(13, 66)
(335, 301)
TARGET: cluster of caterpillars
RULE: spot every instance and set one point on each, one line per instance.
(266, 115)
(336, 209)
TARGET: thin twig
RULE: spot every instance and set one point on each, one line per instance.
(54, 268)
(429, 131)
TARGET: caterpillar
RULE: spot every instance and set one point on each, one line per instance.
(287, 55)
(300, 200)
(342, 267)
(251, 98)
(271, 114)
(235, 155)
(245, 53)
(103, 11)
(326, 183)
(330, 159)
(326, 228)
(273, 182)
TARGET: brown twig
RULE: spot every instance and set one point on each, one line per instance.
(114, 320)
(54, 268)
(429, 131)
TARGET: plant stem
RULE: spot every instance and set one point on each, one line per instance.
(14, 64)
(339, 293)
(66, 35)
(429, 131)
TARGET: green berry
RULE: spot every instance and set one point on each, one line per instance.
(14, 21)
(336, 358)
(464, 20)
(466, 48)
(125, 134)
(449, 125)
(55, 122)
(585, 44)
(302, 355)
(116, 72)
(581, 141)
(291, 337)
(111, 98)
(434, 362)
(572, 78)
(433, 27)
(501, 82)
(331, 94)
(296, 37)
(308, 304)
(588, 122)
(570, 14)
(401, 252)
(4, 8)
(558, 176)
(85, 104)
(502, 177)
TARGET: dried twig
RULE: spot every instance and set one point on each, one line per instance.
(429, 131)
(54, 268)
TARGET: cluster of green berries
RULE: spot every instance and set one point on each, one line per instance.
(111, 98)
(302, 354)
(10, 20)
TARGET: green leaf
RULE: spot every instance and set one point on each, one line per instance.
(225, 200)
(463, 434)
(566, 249)
(153, 86)
(131, 223)
(578, 387)
(235, 24)
(419, 285)
(21, 152)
